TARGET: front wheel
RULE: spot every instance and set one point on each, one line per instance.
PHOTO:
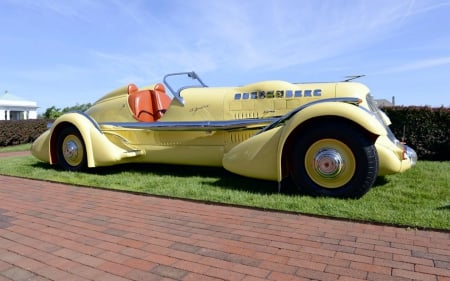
(335, 160)
(71, 150)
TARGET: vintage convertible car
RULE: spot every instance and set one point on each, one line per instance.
(323, 139)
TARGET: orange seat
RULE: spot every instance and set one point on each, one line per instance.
(160, 87)
(141, 105)
(132, 88)
(148, 105)
(161, 100)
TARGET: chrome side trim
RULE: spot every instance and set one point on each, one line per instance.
(195, 125)
(289, 115)
(264, 124)
(96, 125)
(88, 117)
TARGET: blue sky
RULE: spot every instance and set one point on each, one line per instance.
(64, 53)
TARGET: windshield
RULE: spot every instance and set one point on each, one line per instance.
(180, 81)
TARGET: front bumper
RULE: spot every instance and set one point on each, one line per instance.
(394, 157)
(411, 154)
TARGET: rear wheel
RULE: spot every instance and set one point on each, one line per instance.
(71, 149)
(334, 159)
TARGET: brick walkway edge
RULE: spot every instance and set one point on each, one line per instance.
(58, 232)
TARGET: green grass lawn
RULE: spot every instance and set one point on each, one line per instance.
(418, 198)
(20, 147)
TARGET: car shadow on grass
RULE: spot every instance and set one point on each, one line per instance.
(217, 176)
(221, 177)
(380, 181)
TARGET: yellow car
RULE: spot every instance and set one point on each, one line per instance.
(324, 139)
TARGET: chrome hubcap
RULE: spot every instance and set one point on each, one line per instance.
(70, 151)
(328, 163)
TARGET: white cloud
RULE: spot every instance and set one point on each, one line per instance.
(279, 34)
(417, 65)
(113, 42)
(244, 35)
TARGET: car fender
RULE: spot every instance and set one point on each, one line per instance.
(41, 147)
(357, 114)
(100, 151)
(261, 155)
(311, 115)
(256, 157)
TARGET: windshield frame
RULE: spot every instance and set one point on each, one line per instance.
(177, 93)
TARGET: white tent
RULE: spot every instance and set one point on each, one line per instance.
(16, 108)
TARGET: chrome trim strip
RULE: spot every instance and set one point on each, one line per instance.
(265, 123)
(195, 125)
(289, 115)
(88, 117)
(96, 125)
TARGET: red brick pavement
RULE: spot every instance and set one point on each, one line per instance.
(14, 153)
(52, 231)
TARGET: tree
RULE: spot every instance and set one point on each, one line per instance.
(53, 112)
(77, 107)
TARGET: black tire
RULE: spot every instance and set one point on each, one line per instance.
(71, 150)
(334, 159)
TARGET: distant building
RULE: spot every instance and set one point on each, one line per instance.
(385, 102)
(16, 108)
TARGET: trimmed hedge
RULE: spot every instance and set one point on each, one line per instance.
(14, 132)
(425, 129)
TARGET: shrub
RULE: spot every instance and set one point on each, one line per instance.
(424, 128)
(14, 132)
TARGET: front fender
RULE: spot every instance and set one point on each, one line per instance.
(261, 155)
(359, 115)
(256, 157)
(353, 113)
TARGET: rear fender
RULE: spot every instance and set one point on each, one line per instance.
(99, 150)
